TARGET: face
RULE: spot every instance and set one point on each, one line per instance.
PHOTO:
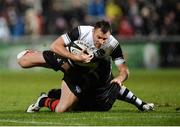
(99, 37)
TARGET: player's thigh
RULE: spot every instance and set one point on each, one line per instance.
(31, 58)
(67, 99)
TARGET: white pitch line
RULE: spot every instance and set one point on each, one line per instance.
(75, 124)
(34, 122)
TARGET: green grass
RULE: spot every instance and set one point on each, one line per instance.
(20, 89)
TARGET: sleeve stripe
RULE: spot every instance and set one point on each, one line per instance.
(115, 46)
(79, 30)
(65, 38)
(68, 38)
(118, 61)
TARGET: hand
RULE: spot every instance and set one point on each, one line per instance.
(83, 57)
(99, 53)
(117, 80)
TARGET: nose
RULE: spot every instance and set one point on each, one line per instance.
(101, 42)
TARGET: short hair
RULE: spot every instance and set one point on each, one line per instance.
(104, 25)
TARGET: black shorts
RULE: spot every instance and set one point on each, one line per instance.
(101, 99)
(93, 92)
(79, 82)
(54, 60)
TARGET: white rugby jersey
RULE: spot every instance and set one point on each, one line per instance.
(85, 33)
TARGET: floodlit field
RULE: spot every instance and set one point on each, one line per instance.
(162, 87)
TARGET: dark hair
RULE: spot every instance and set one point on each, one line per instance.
(104, 25)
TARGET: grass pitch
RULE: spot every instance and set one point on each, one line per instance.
(19, 89)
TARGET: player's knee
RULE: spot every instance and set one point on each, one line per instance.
(61, 108)
(22, 60)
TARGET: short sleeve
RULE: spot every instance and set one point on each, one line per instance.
(117, 55)
(71, 36)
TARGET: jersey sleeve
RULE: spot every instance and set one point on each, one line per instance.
(71, 36)
(117, 55)
(116, 52)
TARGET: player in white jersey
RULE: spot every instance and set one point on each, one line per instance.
(90, 88)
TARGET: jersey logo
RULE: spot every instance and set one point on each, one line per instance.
(78, 89)
(58, 60)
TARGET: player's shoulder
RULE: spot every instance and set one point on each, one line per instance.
(85, 29)
(113, 41)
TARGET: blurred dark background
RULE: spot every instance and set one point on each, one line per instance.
(128, 17)
(155, 20)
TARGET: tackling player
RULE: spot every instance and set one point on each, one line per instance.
(91, 87)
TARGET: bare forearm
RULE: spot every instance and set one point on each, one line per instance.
(123, 75)
(62, 52)
(58, 47)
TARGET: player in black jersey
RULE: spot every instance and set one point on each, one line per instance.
(84, 87)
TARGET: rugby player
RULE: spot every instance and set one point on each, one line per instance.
(91, 84)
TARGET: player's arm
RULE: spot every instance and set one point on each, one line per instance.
(59, 47)
(123, 74)
(60, 44)
(118, 58)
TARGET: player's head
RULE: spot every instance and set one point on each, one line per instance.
(101, 33)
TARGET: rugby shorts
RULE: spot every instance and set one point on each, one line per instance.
(79, 82)
(100, 100)
(54, 60)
